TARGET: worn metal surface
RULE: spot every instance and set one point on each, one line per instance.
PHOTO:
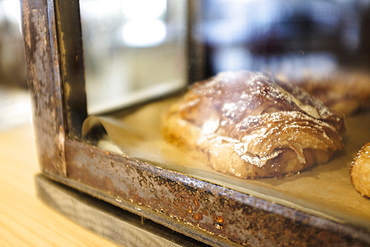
(106, 220)
(72, 66)
(43, 75)
(197, 206)
(55, 71)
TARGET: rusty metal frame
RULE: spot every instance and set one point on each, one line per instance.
(210, 213)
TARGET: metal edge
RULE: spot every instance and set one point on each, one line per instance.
(192, 206)
(106, 220)
(43, 76)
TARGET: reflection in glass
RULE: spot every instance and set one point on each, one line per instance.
(280, 35)
(133, 50)
(135, 47)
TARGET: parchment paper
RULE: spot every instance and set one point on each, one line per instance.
(324, 190)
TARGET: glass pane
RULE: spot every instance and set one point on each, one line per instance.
(132, 52)
(277, 36)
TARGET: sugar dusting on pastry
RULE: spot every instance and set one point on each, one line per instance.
(249, 125)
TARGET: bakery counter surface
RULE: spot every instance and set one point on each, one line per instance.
(24, 219)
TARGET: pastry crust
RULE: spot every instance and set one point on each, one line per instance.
(343, 91)
(360, 171)
(248, 125)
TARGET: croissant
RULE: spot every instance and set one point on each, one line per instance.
(249, 125)
(344, 91)
(360, 171)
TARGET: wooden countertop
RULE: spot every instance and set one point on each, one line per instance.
(24, 219)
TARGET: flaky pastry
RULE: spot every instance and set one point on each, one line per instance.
(360, 171)
(249, 125)
(343, 91)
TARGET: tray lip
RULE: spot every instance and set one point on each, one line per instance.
(264, 193)
(47, 189)
(193, 185)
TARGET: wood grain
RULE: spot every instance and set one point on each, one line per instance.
(24, 219)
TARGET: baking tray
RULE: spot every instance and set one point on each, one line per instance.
(323, 190)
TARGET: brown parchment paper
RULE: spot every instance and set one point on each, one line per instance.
(324, 190)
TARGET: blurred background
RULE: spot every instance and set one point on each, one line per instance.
(15, 106)
(132, 52)
(277, 35)
(135, 47)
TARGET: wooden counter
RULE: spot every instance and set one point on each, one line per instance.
(24, 219)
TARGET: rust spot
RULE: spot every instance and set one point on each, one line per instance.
(198, 216)
(219, 219)
(196, 203)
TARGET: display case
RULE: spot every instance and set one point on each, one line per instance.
(101, 74)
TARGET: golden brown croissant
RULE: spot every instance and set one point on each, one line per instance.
(248, 125)
(343, 91)
(360, 171)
